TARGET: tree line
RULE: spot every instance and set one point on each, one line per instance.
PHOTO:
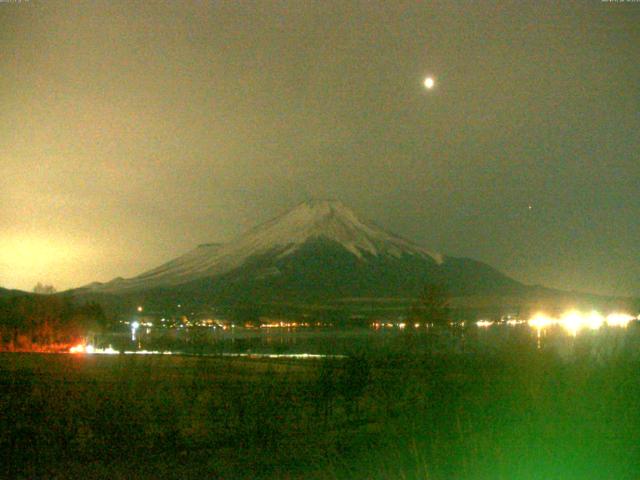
(39, 322)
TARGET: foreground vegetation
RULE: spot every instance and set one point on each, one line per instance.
(516, 413)
(46, 322)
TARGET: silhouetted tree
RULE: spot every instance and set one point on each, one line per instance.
(432, 305)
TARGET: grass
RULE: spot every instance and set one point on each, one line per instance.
(513, 413)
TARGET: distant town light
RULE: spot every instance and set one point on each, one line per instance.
(77, 349)
(540, 321)
(619, 319)
(572, 322)
(595, 320)
(134, 328)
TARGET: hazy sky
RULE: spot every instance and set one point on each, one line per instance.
(132, 131)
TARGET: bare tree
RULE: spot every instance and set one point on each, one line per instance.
(44, 289)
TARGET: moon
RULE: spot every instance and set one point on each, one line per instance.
(429, 83)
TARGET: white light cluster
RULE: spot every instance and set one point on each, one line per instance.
(484, 323)
(574, 321)
(90, 349)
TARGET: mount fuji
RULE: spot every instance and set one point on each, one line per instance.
(318, 251)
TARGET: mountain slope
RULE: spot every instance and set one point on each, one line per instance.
(322, 270)
(278, 238)
(5, 293)
(318, 252)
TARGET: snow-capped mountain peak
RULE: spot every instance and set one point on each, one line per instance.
(330, 220)
(319, 219)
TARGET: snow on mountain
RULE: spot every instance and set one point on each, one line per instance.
(324, 219)
(330, 220)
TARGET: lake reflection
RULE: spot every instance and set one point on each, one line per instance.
(468, 338)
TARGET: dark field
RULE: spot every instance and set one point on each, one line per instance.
(514, 413)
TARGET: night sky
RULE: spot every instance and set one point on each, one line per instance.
(132, 131)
